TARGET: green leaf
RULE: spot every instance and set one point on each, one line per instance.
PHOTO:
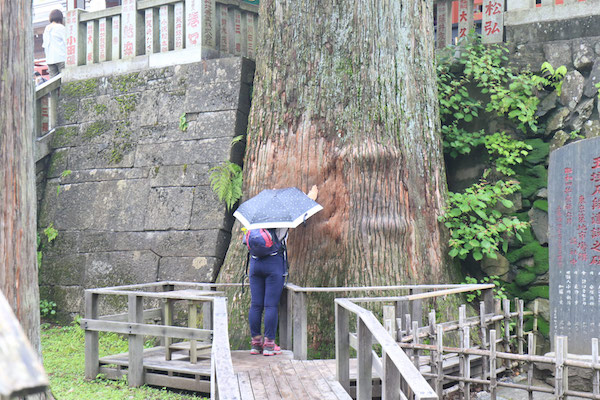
(477, 255)
(506, 203)
(454, 252)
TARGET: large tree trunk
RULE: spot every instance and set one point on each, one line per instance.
(345, 99)
(18, 261)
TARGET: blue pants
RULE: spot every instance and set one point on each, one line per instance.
(266, 284)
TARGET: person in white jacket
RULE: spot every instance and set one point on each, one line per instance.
(55, 43)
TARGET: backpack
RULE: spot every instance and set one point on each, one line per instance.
(262, 242)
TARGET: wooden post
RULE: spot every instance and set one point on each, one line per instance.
(506, 307)
(467, 361)
(493, 362)
(92, 364)
(193, 323)
(416, 307)
(390, 380)
(462, 316)
(483, 331)
(520, 308)
(531, 352)
(402, 309)
(135, 376)
(596, 378)
(415, 333)
(408, 325)
(364, 384)
(167, 320)
(300, 326)
(389, 320)
(535, 324)
(439, 362)
(342, 347)
(488, 300)
(207, 312)
(284, 334)
(432, 333)
(561, 376)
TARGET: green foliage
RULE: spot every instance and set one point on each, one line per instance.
(525, 277)
(476, 226)
(226, 182)
(64, 362)
(507, 151)
(84, 88)
(66, 173)
(499, 291)
(183, 123)
(50, 232)
(47, 308)
(555, 77)
(541, 204)
(127, 102)
(598, 87)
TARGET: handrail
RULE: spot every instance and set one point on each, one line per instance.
(46, 102)
(400, 379)
(48, 86)
(224, 386)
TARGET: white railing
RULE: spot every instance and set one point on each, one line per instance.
(495, 15)
(210, 28)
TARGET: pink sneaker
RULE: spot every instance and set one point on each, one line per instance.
(257, 346)
(270, 348)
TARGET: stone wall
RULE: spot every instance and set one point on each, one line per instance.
(127, 183)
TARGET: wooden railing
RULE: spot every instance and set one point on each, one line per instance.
(400, 378)
(200, 28)
(46, 102)
(495, 15)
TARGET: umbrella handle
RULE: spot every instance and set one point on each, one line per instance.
(304, 221)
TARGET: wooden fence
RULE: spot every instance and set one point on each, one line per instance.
(205, 28)
(495, 15)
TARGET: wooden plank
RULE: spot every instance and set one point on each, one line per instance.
(307, 384)
(283, 386)
(258, 387)
(293, 379)
(177, 382)
(193, 323)
(342, 347)
(270, 384)
(245, 386)
(152, 313)
(221, 353)
(91, 337)
(329, 375)
(596, 373)
(146, 329)
(135, 377)
(364, 381)
(391, 380)
(300, 344)
(312, 371)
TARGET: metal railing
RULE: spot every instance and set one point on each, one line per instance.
(200, 28)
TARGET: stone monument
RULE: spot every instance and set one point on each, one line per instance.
(574, 224)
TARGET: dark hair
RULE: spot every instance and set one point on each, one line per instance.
(37, 73)
(56, 16)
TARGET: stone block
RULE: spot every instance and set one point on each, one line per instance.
(495, 267)
(590, 89)
(188, 269)
(58, 163)
(105, 174)
(120, 268)
(102, 155)
(147, 108)
(169, 107)
(65, 269)
(539, 224)
(208, 212)
(547, 104)
(115, 205)
(169, 208)
(70, 299)
(556, 120)
(218, 96)
(572, 89)
(558, 140)
(233, 69)
(583, 55)
(581, 114)
(558, 54)
(180, 175)
(215, 124)
(184, 152)
(591, 129)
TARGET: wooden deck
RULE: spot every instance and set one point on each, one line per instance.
(259, 377)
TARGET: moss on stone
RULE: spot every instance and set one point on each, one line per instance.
(84, 88)
(531, 179)
(124, 83)
(69, 109)
(522, 216)
(525, 277)
(100, 109)
(56, 163)
(537, 251)
(96, 128)
(63, 135)
(127, 103)
(534, 292)
(525, 204)
(541, 204)
(543, 327)
(540, 151)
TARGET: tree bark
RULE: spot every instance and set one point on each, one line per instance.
(18, 261)
(345, 98)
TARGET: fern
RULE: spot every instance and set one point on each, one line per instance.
(226, 182)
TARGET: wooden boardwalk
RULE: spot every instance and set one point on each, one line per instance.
(259, 377)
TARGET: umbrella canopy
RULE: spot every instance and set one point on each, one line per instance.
(279, 208)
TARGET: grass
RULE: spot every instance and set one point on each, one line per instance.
(63, 352)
